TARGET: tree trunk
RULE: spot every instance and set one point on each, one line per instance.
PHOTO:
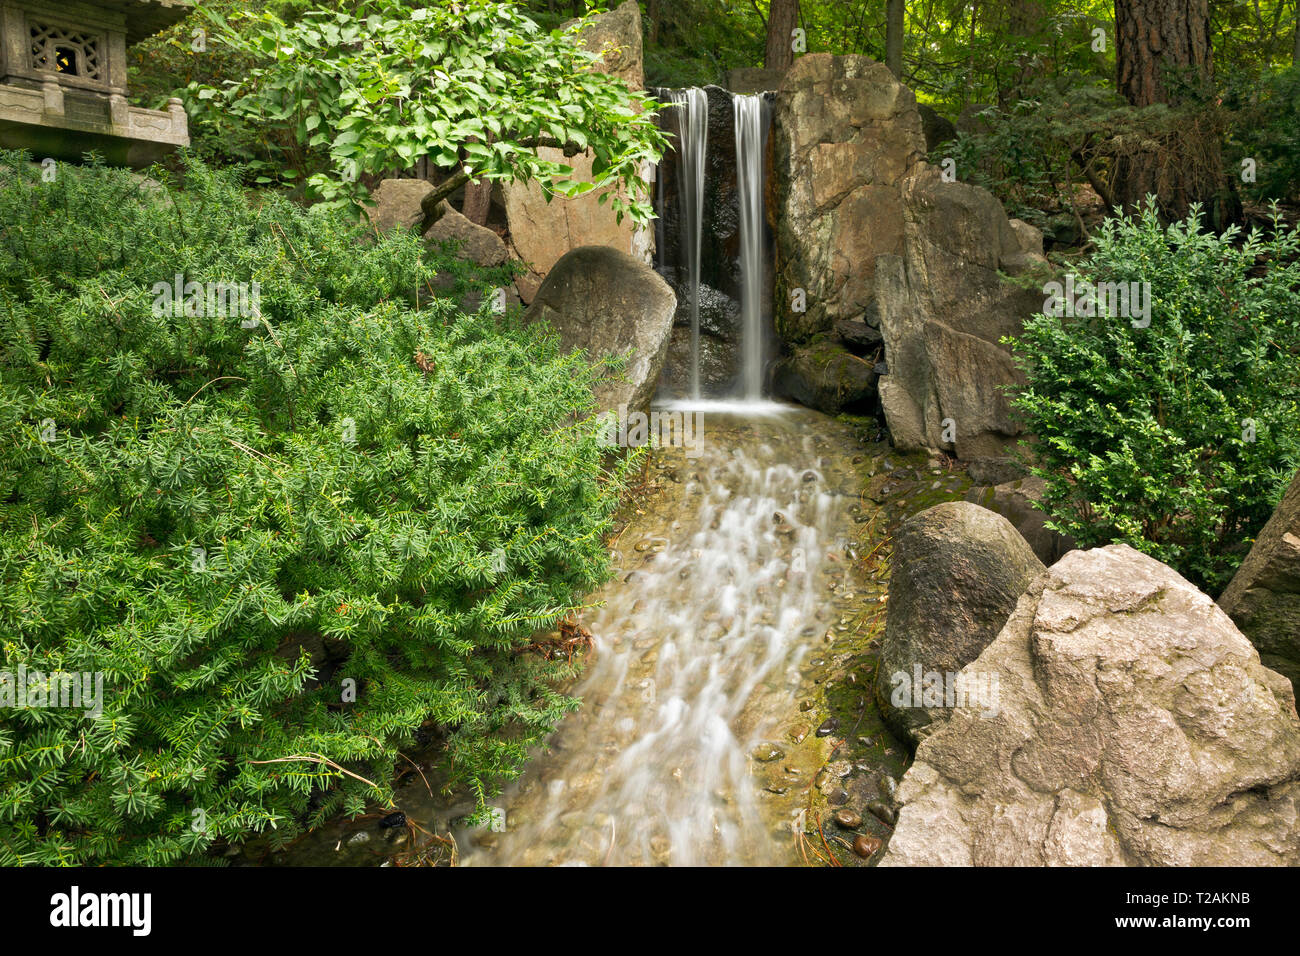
(894, 10)
(1155, 39)
(1295, 43)
(782, 18)
(478, 202)
(1163, 55)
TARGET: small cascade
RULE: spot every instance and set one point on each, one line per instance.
(753, 117)
(693, 133)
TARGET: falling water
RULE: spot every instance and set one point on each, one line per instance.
(751, 134)
(693, 132)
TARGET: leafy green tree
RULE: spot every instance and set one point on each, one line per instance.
(1173, 431)
(476, 86)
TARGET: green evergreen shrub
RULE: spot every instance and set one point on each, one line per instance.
(1178, 437)
(232, 517)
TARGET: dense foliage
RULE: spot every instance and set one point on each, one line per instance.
(237, 518)
(1178, 437)
(473, 87)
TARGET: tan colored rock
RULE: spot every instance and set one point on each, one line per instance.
(398, 203)
(845, 132)
(540, 231)
(1136, 726)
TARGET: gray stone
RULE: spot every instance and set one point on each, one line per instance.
(748, 80)
(1016, 501)
(938, 129)
(1263, 598)
(958, 571)
(1135, 726)
(610, 304)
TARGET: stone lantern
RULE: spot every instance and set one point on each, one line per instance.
(63, 80)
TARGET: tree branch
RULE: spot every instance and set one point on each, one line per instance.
(429, 205)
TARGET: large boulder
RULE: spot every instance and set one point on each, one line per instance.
(1263, 597)
(826, 376)
(607, 303)
(1135, 726)
(542, 228)
(1016, 501)
(869, 231)
(958, 571)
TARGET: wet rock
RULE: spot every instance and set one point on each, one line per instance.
(766, 753)
(397, 819)
(828, 727)
(848, 819)
(883, 812)
(865, 846)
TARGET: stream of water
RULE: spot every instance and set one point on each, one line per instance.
(729, 579)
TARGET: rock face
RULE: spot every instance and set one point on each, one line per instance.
(845, 134)
(943, 310)
(542, 232)
(1263, 597)
(870, 231)
(958, 571)
(608, 303)
(1136, 726)
(476, 243)
(1014, 500)
(397, 203)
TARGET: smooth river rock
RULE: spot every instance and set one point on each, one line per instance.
(1137, 726)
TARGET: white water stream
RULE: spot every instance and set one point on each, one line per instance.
(727, 581)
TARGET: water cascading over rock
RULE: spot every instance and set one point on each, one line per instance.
(713, 241)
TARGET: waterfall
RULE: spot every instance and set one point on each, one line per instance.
(692, 138)
(752, 120)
